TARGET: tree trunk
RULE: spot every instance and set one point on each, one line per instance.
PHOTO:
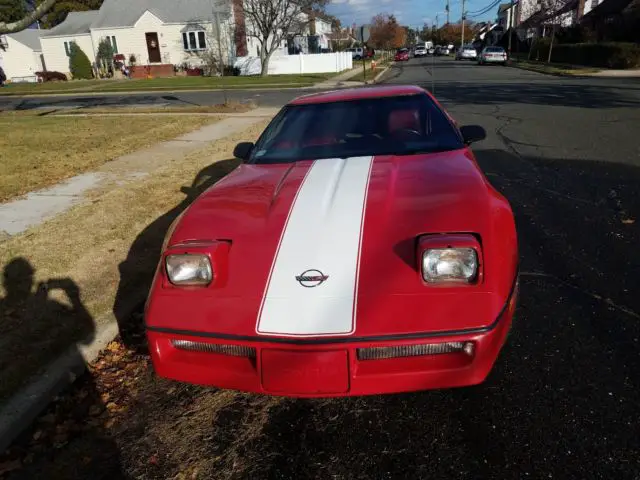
(24, 23)
(264, 63)
(553, 37)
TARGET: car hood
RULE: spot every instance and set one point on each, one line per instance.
(328, 247)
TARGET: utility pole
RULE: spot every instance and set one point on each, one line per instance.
(510, 27)
(463, 15)
(447, 10)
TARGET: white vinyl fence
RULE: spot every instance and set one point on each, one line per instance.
(297, 64)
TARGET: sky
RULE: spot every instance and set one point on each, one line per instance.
(413, 13)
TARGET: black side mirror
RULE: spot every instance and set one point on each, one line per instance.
(472, 133)
(243, 150)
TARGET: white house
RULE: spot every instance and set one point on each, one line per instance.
(155, 32)
(21, 55)
(56, 42)
(506, 15)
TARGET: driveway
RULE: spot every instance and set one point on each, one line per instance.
(563, 400)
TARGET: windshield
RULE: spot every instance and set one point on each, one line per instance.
(401, 125)
(402, 50)
(494, 49)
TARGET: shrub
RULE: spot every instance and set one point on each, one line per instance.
(79, 63)
(51, 76)
(603, 55)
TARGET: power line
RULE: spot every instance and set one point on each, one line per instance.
(484, 10)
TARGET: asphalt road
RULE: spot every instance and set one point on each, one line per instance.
(563, 400)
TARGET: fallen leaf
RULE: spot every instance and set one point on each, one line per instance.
(10, 466)
(113, 346)
(628, 221)
(111, 406)
(105, 396)
(37, 435)
(153, 459)
(109, 423)
(86, 460)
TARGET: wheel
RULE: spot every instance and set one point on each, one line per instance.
(357, 57)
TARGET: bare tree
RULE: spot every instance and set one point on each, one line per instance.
(36, 14)
(271, 22)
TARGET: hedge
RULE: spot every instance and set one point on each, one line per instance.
(52, 76)
(603, 55)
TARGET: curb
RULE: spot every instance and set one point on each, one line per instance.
(377, 78)
(25, 405)
(283, 86)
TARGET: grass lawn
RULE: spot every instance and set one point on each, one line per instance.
(39, 151)
(80, 255)
(370, 75)
(551, 68)
(172, 83)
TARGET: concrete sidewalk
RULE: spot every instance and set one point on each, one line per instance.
(36, 207)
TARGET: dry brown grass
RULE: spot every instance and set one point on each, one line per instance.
(39, 151)
(85, 246)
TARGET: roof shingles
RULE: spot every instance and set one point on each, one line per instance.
(76, 23)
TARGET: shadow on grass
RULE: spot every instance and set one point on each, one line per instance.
(39, 323)
(137, 270)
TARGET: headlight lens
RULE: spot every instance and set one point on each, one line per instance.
(441, 265)
(189, 269)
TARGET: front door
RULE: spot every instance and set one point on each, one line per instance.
(153, 47)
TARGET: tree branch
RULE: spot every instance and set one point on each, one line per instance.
(24, 23)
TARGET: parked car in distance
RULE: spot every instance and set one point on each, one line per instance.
(466, 52)
(493, 55)
(358, 53)
(420, 51)
(402, 55)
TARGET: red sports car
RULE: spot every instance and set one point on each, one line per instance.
(402, 55)
(357, 250)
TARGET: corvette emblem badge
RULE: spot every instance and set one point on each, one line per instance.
(311, 278)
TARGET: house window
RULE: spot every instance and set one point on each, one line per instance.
(192, 41)
(114, 44)
(67, 47)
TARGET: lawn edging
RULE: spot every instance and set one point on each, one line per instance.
(26, 404)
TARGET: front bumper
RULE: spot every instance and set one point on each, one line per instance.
(325, 368)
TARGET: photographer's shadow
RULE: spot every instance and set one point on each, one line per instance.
(40, 324)
(36, 327)
(137, 270)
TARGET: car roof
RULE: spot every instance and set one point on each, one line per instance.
(358, 94)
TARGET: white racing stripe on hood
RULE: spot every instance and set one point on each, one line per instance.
(323, 233)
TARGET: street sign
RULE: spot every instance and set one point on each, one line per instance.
(363, 33)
